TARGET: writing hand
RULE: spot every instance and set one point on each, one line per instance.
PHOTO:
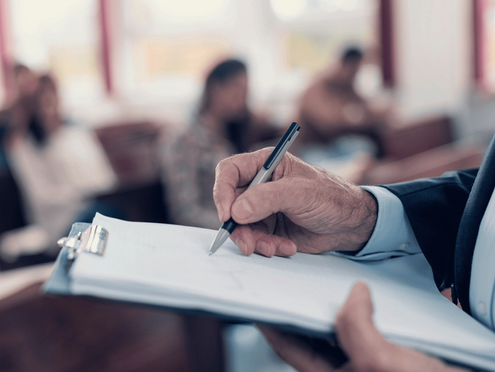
(303, 208)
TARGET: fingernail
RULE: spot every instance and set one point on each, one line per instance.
(243, 210)
(241, 244)
(264, 248)
(288, 249)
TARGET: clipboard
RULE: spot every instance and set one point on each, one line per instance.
(89, 246)
(85, 238)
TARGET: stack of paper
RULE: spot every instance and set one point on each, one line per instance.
(168, 265)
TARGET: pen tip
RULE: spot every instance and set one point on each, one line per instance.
(219, 240)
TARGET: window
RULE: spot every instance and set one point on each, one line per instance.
(312, 34)
(167, 45)
(161, 49)
(315, 30)
(60, 36)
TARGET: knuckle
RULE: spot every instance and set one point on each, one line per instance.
(225, 164)
(221, 165)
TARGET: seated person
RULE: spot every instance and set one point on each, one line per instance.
(339, 124)
(19, 109)
(223, 126)
(57, 166)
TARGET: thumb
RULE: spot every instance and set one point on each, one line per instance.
(263, 200)
(354, 326)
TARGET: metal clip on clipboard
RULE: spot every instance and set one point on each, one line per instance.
(92, 240)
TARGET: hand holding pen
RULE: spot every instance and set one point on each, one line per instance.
(262, 176)
(302, 208)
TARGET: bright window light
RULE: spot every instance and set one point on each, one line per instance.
(345, 5)
(60, 36)
(187, 11)
(287, 10)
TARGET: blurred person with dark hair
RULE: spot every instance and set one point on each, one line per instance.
(18, 112)
(223, 126)
(336, 118)
(19, 108)
(24, 81)
(58, 166)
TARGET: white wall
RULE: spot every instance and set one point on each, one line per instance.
(433, 49)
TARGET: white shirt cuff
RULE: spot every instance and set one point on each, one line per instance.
(393, 235)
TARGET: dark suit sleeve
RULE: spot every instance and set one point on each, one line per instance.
(434, 207)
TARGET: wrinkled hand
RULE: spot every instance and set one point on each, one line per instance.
(303, 208)
(364, 346)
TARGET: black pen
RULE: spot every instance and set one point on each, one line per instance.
(263, 175)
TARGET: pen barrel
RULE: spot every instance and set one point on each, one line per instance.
(261, 177)
(229, 225)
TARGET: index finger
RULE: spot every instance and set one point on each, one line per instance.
(233, 173)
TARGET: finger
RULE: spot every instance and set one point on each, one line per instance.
(263, 200)
(252, 238)
(295, 352)
(234, 172)
(354, 326)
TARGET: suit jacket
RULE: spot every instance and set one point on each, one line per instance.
(445, 214)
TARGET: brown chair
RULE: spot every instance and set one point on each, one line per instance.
(48, 333)
(131, 149)
(403, 141)
(39, 333)
(431, 163)
(422, 149)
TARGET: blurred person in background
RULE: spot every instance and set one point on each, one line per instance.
(340, 124)
(58, 167)
(223, 126)
(19, 109)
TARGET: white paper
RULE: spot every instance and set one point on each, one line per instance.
(169, 265)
